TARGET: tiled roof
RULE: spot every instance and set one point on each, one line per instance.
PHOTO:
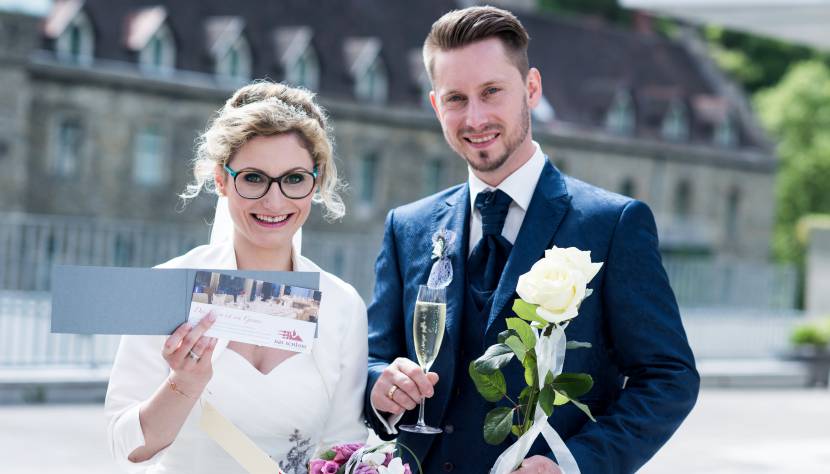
(584, 63)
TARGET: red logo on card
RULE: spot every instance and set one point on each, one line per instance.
(291, 336)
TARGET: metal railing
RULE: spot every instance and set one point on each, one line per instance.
(730, 308)
(25, 339)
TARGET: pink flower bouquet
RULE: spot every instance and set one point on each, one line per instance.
(357, 458)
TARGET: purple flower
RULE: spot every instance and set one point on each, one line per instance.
(365, 469)
(406, 469)
(330, 467)
(316, 466)
(344, 451)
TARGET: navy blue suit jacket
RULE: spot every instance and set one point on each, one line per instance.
(645, 381)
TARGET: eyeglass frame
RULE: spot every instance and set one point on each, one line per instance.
(278, 179)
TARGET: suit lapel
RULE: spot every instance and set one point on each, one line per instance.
(548, 206)
(453, 215)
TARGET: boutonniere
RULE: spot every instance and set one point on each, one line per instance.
(441, 274)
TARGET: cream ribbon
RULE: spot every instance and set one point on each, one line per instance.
(550, 356)
(236, 443)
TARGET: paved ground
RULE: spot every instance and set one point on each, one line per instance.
(730, 431)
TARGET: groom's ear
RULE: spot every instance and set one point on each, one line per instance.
(434, 103)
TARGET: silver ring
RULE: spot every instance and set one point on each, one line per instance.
(193, 355)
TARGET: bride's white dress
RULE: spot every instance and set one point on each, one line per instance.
(308, 402)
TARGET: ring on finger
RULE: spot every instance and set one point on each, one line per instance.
(193, 355)
(391, 392)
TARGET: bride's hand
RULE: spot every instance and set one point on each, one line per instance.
(188, 353)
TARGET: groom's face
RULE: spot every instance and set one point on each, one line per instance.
(483, 105)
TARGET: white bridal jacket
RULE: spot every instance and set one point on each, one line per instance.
(308, 402)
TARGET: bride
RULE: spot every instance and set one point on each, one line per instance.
(268, 152)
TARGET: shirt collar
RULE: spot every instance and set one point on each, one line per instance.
(519, 186)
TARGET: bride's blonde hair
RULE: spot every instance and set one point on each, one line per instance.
(266, 108)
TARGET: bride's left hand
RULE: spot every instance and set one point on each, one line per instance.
(538, 465)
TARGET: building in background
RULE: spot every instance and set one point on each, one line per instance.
(102, 101)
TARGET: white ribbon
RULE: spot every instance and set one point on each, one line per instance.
(550, 356)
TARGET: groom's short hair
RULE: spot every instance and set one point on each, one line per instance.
(460, 28)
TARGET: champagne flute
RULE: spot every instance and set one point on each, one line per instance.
(428, 332)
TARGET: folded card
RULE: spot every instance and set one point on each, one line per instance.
(253, 311)
(113, 300)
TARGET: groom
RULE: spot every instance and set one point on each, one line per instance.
(515, 205)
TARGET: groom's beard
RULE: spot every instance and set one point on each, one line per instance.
(511, 143)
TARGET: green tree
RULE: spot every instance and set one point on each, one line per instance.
(797, 113)
(756, 62)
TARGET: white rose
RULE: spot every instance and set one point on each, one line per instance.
(558, 283)
(375, 458)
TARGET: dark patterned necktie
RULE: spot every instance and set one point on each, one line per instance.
(487, 261)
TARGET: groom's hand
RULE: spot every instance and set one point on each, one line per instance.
(538, 465)
(413, 385)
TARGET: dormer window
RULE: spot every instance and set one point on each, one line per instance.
(159, 55)
(675, 125)
(725, 134)
(230, 49)
(149, 35)
(298, 57)
(72, 31)
(305, 71)
(371, 82)
(621, 119)
(544, 112)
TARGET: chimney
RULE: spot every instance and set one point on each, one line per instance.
(643, 23)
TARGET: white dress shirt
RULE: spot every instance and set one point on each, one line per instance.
(520, 186)
(308, 402)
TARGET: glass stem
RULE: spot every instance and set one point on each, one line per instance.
(421, 409)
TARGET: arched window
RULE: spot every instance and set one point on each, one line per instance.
(628, 188)
(150, 162)
(235, 62)
(433, 176)
(304, 71)
(621, 118)
(159, 54)
(544, 111)
(732, 215)
(68, 143)
(675, 125)
(76, 43)
(726, 135)
(373, 85)
(683, 198)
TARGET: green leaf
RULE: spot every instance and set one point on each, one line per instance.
(516, 430)
(560, 398)
(516, 346)
(584, 409)
(527, 311)
(546, 397)
(494, 358)
(491, 386)
(531, 375)
(505, 334)
(549, 378)
(573, 385)
(524, 331)
(524, 395)
(497, 424)
(577, 345)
